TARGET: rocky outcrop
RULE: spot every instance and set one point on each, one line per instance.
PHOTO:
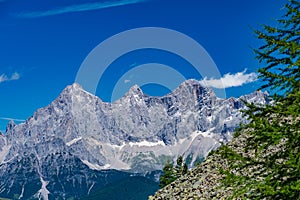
(205, 181)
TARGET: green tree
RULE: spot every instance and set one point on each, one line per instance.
(181, 167)
(185, 168)
(274, 130)
(168, 176)
(178, 167)
(171, 173)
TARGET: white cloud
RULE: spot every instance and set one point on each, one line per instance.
(230, 80)
(3, 78)
(126, 81)
(79, 8)
(13, 77)
(12, 119)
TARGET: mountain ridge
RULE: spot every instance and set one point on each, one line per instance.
(136, 134)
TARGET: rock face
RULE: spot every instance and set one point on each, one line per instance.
(65, 148)
(203, 181)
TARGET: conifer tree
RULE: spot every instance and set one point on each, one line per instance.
(171, 173)
(168, 175)
(178, 167)
(274, 130)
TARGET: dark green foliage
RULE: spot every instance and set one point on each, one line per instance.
(275, 126)
(168, 175)
(171, 173)
(179, 163)
(185, 169)
(181, 167)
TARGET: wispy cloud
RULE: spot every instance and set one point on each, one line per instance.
(127, 81)
(13, 77)
(12, 119)
(230, 80)
(78, 8)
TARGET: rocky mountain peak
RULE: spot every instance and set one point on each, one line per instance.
(135, 90)
(137, 133)
(134, 95)
(75, 95)
(257, 96)
(10, 126)
(73, 89)
(190, 82)
(194, 87)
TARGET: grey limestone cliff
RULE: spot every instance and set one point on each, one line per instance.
(78, 136)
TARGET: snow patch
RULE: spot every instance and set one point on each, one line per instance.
(117, 147)
(210, 118)
(73, 141)
(91, 188)
(107, 166)
(43, 192)
(177, 114)
(22, 193)
(192, 137)
(146, 144)
(207, 134)
(228, 119)
(95, 166)
(98, 143)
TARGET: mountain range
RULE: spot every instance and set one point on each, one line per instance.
(79, 144)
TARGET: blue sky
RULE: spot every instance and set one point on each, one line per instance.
(44, 43)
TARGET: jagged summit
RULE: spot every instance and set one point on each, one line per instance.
(257, 96)
(191, 82)
(193, 86)
(135, 91)
(73, 88)
(11, 124)
(75, 97)
(186, 88)
(76, 86)
(78, 135)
